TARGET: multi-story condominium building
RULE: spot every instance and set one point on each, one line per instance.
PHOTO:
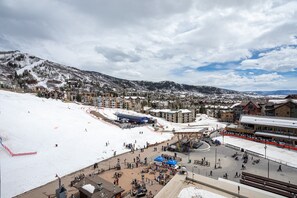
(160, 104)
(282, 108)
(227, 116)
(247, 108)
(129, 102)
(252, 108)
(110, 102)
(214, 110)
(179, 116)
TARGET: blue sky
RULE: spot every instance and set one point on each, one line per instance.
(255, 55)
(252, 66)
(240, 45)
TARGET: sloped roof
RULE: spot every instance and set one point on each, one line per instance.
(108, 188)
(185, 110)
(170, 111)
(254, 103)
(282, 101)
(293, 96)
(276, 135)
(269, 121)
(286, 103)
(234, 105)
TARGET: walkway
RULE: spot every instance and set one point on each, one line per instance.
(48, 190)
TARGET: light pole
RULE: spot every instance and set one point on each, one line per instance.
(189, 156)
(223, 137)
(268, 169)
(0, 179)
(265, 147)
(193, 171)
(289, 142)
(215, 158)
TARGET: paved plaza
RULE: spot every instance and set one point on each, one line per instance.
(48, 190)
(224, 158)
(231, 166)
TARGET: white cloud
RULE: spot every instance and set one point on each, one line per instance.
(129, 72)
(283, 60)
(235, 81)
(152, 38)
(117, 55)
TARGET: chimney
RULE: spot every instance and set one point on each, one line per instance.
(100, 187)
(59, 182)
(59, 179)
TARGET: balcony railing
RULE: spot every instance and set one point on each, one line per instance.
(240, 130)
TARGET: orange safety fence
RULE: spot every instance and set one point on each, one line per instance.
(17, 154)
(260, 141)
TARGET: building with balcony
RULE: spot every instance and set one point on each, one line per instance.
(281, 108)
(178, 116)
(129, 102)
(278, 129)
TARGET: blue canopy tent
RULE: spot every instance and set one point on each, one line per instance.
(171, 162)
(159, 159)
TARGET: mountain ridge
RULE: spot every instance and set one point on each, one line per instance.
(276, 92)
(30, 71)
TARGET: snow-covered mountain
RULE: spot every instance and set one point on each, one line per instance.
(26, 70)
(276, 92)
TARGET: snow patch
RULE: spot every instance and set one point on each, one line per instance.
(194, 192)
(89, 187)
(29, 67)
(280, 155)
(66, 137)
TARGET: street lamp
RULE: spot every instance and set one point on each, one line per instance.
(268, 169)
(215, 166)
(223, 137)
(289, 141)
(189, 156)
(265, 147)
(193, 171)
